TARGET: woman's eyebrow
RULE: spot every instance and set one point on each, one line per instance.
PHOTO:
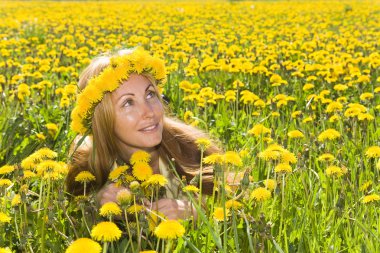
(150, 85)
(126, 94)
(132, 94)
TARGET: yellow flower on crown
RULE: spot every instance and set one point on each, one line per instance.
(121, 66)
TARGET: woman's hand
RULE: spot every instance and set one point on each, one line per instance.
(108, 193)
(174, 209)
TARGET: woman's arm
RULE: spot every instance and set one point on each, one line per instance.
(171, 208)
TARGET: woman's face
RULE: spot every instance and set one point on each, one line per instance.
(138, 115)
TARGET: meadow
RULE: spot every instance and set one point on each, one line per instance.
(290, 89)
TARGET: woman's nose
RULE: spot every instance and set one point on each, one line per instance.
(147, 110)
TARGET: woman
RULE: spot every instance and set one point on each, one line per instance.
(120, 111)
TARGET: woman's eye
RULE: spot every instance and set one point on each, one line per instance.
(151, 94)
(128, 102)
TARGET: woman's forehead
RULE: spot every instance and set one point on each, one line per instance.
(135, 84)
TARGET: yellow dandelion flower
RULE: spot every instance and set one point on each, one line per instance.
(335, 171)
(28, 163)
(308, 86)
(295, 134)
(190, 188)
(106, 231)
(288, 157)
(233, 204)
(142, 171)
(233, 158)
(329, 134)
(16, 200)
(84, 177)
(296, 114)
(140, 156)
(52, 128)
(340, 87)
(219, 214)
(270, 184)
(283, 168)
(365, 116)
(6, 169)
(365, 186)
(326, 157)
(342, 99)
(29, 174)
(371, 198)
(244, 153)
(259, 130)
(41, 136)
(366, 96)
(169, 229)
(46, 153)
(48, 166)
(237, 83)
(269, 154)
(155, 179)
(334, 118)
(84, 245)
(188, 117)
(110, 209)
(117, 172)
(203, 143)
(4, 218)
(308, 119)
(5, 250)
(258, 103)
(135, 209)
(148, 251)
(373, 152)
(260, 194)
(213, 159)
(334, 107)
(5, 182)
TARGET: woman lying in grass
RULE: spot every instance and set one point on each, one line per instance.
(121, 125)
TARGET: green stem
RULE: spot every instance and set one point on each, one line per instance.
(85, 220)
(200, 183)
(168, 246)
(105, 247)
(282, 206)
(138, 226)
(128, 230)
(40, 198)
(43, 225)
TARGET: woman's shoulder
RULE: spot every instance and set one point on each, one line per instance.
(82, 143)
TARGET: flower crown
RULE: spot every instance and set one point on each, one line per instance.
(120, 67)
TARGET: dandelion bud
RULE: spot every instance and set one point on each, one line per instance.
(245, 181)
(195, 180)
(124, 197)
(16, 201)
(134, 186)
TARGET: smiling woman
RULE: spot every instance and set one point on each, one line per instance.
(138, 116)
(119, 111)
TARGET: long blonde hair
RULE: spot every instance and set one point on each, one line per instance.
(99, 152)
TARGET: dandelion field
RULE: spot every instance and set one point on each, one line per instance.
(290, 90)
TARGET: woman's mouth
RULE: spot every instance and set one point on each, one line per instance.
(150, 128)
